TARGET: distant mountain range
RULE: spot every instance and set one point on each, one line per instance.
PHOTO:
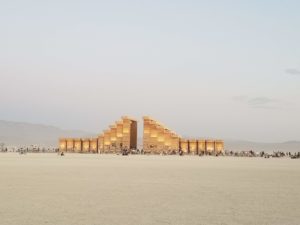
(25, 134)
(239, 145)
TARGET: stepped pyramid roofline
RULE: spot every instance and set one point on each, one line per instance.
(128, 118)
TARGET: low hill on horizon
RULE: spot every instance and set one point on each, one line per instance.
(24, 134)
(240, 145)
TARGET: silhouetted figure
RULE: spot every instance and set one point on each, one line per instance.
(124, 152)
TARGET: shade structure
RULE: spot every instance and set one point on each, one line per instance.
(219, 146)
(86, 145)
(193, 146)
(77, 145)
(100, 143)
(184, 146)
(94, 145)
(201, 146)
(210, 146)
(70, 144)
(62, 144)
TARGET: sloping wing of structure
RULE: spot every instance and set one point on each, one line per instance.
(122, 135)
(158, 139)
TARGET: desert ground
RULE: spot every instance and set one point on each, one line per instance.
(78, 189)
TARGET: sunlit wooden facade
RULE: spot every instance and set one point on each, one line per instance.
(77, 145)
(120, 136)
(158, 139)
(193, 147)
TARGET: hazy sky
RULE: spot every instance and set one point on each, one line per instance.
(223, 69)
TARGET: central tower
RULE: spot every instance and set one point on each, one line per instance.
(121, 135)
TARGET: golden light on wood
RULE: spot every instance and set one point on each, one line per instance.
(193, 146)
(210, 145)
(126, 131)
(157, 138)
(219, 146)
(184, 145)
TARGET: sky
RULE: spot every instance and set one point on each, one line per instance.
(220, 69)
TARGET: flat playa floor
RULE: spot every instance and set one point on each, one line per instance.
(76, 189)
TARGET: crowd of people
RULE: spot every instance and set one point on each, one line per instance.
(262, 154)
(30, 149)
(274, 154)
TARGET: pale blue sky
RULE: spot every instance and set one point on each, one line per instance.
(223, 69)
